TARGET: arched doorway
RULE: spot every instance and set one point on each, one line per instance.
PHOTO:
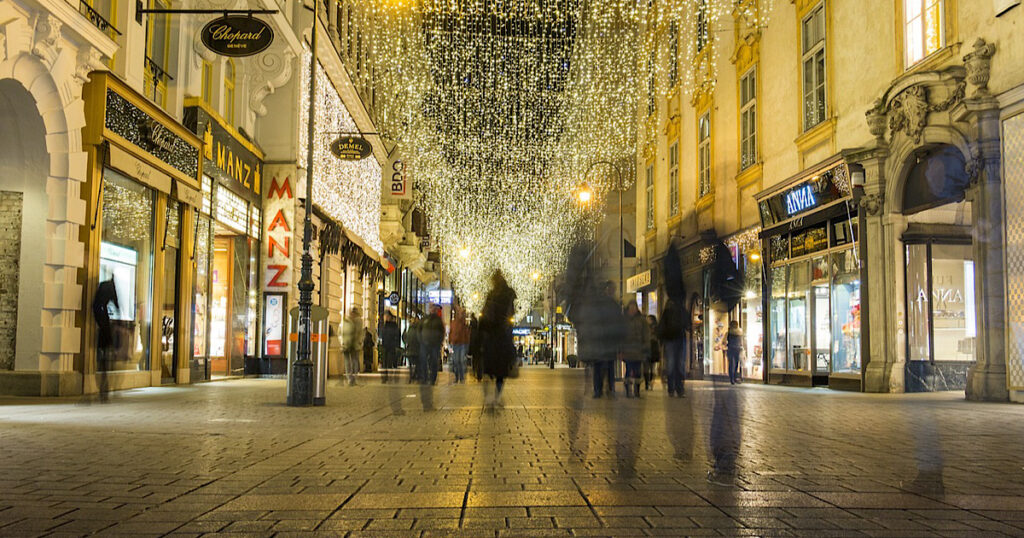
(24, 167)
(940, 318)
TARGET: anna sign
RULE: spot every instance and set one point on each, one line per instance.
(237, 35)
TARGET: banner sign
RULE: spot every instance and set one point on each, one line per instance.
(351, 148)
(228, 155)
(396, 181)
(237, 35)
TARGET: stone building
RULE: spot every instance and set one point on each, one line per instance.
(864, 178)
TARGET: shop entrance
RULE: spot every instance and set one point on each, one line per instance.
(228, 309)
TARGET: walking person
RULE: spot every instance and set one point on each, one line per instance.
(390, 346)
(635, 348)
(411, 339)
(654, 356)
(497, 347)
(671, 333)
(733, 351)
(431, 338)
(352, 343)
(369, 342)
(458, 338)
(106, 295)
(475, 353)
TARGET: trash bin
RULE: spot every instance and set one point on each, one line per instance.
(317, 349)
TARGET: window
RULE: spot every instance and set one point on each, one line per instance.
(158, 44)
(702, 25)
(229, 91)
(673, 179)
(704, 155)
(813, 48)
(650, 83)
(941, 322)
(922, 32)
(673, 54)
(650, 197)
(748, 119)
(207, 82)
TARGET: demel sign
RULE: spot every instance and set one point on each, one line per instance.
(237, 35)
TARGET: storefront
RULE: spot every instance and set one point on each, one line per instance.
(142, 188)
(745, 251)
(812, 279)
(225, 331)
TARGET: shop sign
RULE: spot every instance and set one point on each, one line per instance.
(396, 182)
(232, 157)
(819, 190)
(800, 199)
(394, 297)
(638, 281)
(149, 134)
(521, 331)
(237, 35)
(273, 323)
(563, 327)
(279, 206)
(351, 148)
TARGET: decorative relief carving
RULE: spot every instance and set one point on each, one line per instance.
(908, 112)
(979, 64)
(267, 72)
(89, 60)
(872, 204)
(46, 38)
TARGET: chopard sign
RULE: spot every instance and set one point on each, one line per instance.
(237, 35)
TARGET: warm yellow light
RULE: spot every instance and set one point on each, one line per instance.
(584, 194)
(511, 320)
(754, 256)
(535, 275)
(464, 252)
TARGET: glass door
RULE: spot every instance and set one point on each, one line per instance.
(799, 316)
(169, 312)
(822, 328)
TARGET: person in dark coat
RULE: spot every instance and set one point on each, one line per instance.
(498, 350)
(606, 332)
(636, 347)
(733, 351)
(390, 345)
(475, 359)
(654, 357)
(368, 345)
(431, 338)
(671, 333)
(106, 294)
(411, 338)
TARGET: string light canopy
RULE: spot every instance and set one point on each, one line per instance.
(503, 106)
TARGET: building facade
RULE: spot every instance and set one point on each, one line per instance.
(865, 183)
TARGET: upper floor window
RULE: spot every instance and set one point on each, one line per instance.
(651, 104)
(923, 23)
(650, 197)
(702, 25)
(229, 91)
(748, 119)
(157, 60)
(673, 54)
(813, 48)
(673, 179)
(206, 92)
(704, 155)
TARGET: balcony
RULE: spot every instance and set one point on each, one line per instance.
(97, 20)
(156, 82)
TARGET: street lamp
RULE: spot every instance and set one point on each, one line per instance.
(585, 191)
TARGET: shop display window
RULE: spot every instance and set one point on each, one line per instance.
(941, 323)
(752, 320)
(777, 317)
(810, 240)
(126, 257)
(844, 231)
(798, 314)
(845, 313)
(169, 310)
(201, 289)
(779, 247)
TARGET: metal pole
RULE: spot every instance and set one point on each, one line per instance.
(622, 252)
(302, 368)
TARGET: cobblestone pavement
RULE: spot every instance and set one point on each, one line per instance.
(229, 457)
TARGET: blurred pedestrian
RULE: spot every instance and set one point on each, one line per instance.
(600, 332)
(368, 344)
(390, 345)
(106, 295)
(352, 343)
(431, 338)
(474, 357)
(733, 351)
(671, 333)
(458, 337)
(497, 347)
(635, 347)
(411, 339)
(654, 357)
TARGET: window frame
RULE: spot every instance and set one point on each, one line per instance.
(940, 8)
(749, 153)
(811, 55)
(673, 178)
(701, 26)
(206, 83)
(229, 90)
(151, 87)
(704, 184)
(673, 54)
(649, 187)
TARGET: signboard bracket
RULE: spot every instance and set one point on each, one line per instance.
(140, 10)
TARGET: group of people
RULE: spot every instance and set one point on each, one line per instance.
(608, 333)
(486, 341)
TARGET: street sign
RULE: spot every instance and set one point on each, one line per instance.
(394, 297)
(237, 35)
(351, 148)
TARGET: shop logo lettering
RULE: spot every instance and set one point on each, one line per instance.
(800, 199)
(237, 35)
(279, 247)
(398, 178)
(157, 135)
(235, 168)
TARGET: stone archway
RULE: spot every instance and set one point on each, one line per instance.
(44, 60)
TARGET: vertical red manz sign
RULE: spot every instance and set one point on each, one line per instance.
(277, 255)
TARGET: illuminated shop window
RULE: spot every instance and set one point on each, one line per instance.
(923, 33)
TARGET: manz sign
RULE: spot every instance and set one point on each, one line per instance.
(351, 148)
(237, 35)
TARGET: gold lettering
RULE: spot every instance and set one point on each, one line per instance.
(220, 155)
(248, 170)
